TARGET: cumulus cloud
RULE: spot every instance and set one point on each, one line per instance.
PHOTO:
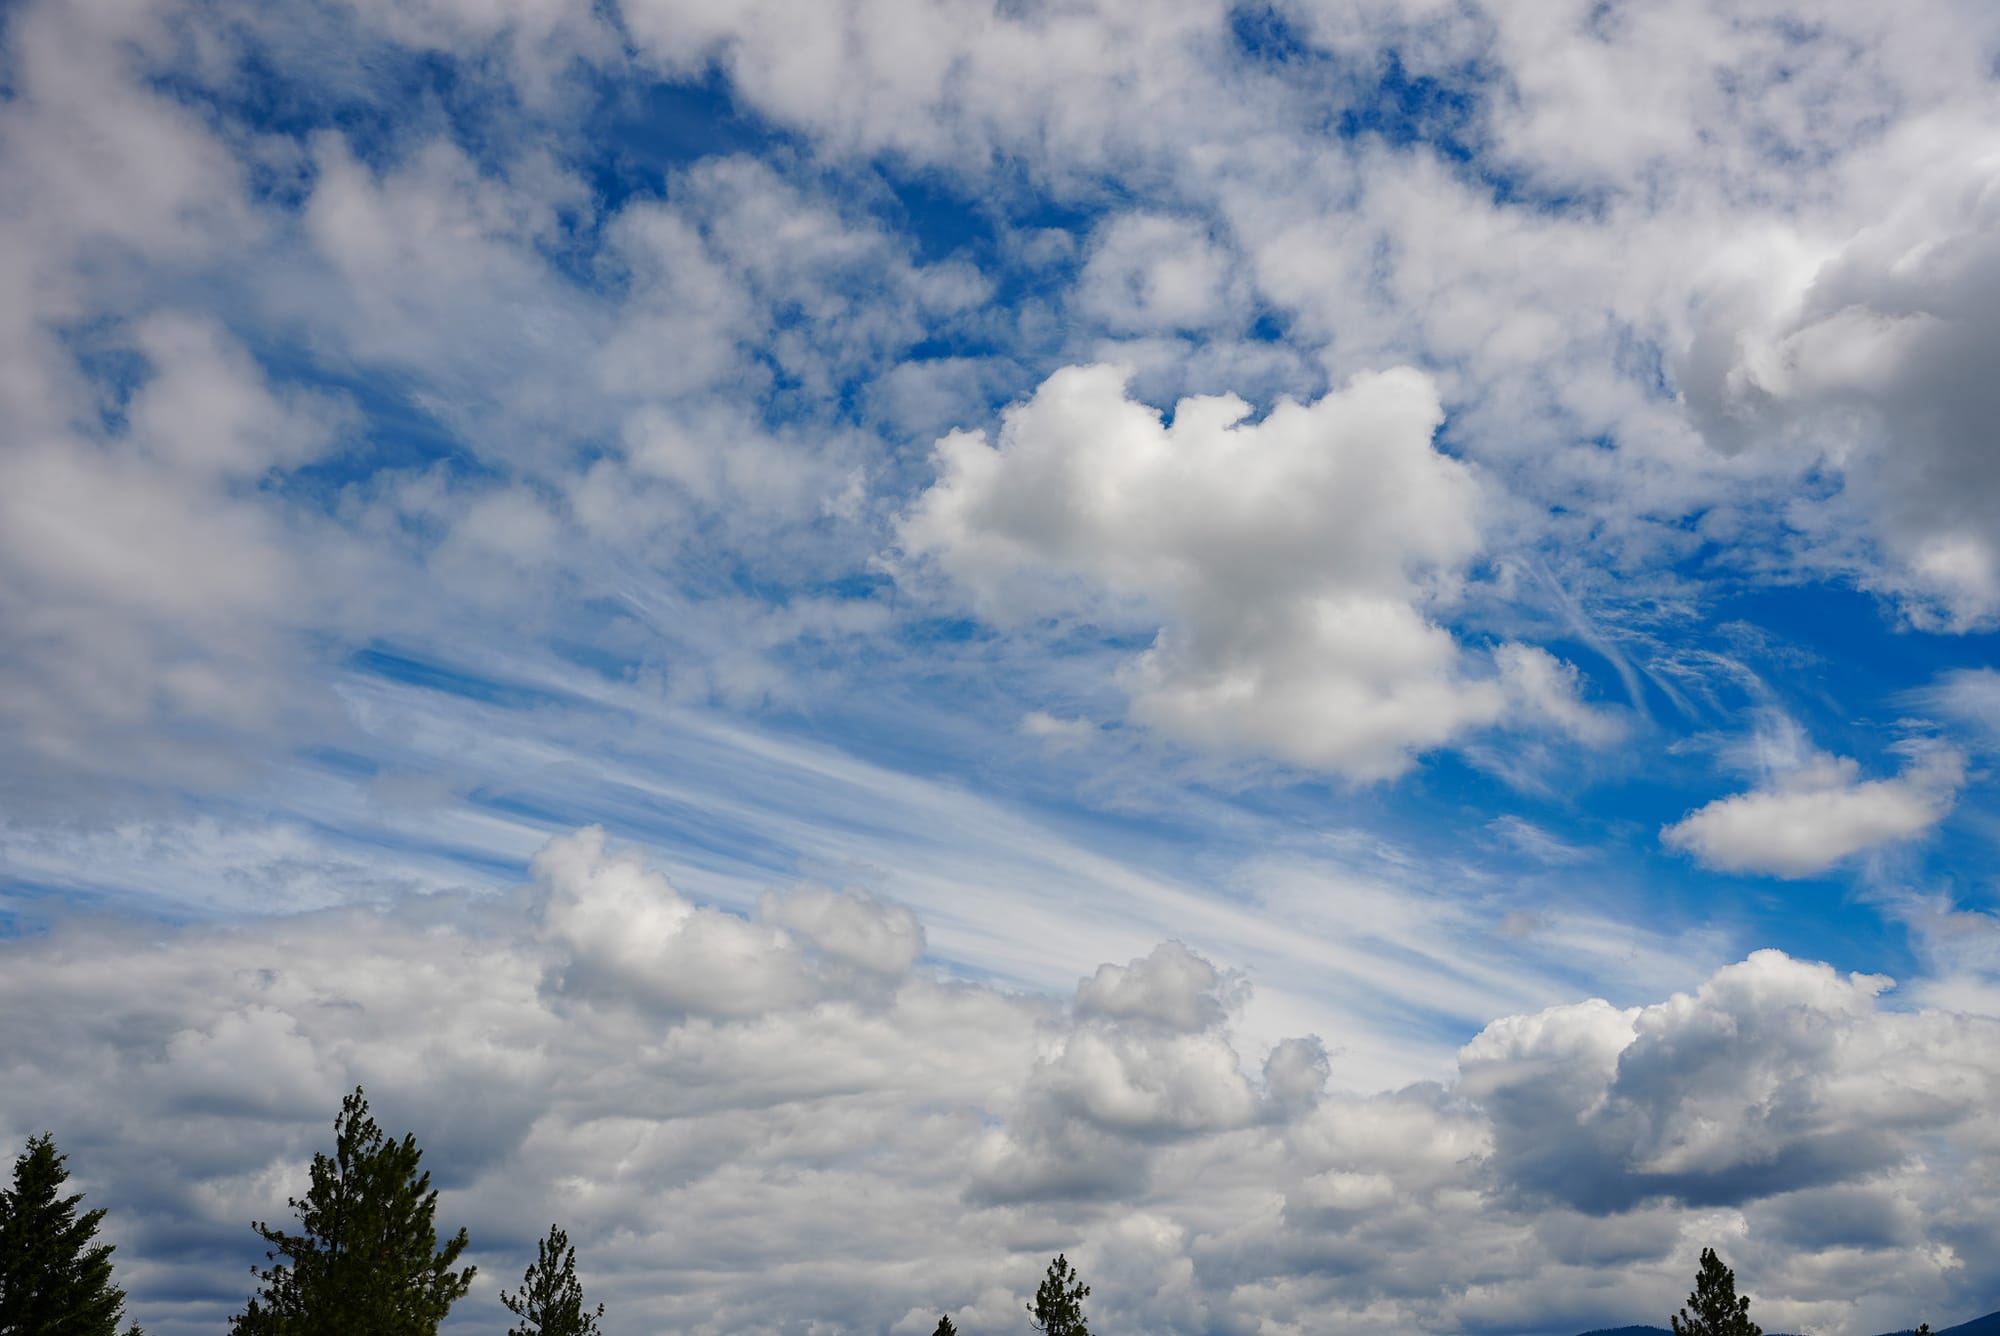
(1815, 809)
(630, 935)
(1295, 564)
(851, 928)
(732, 1153)
(1776, 1077)
(1173, 988)
(1872, 354)
(1146, 1060)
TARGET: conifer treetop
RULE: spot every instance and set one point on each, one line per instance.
(1713, 1308)
(53, 1276)
(366, 1256)
(1058, 1306)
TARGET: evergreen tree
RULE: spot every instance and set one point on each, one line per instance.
(366, 1258)
(1058, 1306)
(551, 1299)
(1713, 1308)
(53, 1280)
(944, 1327)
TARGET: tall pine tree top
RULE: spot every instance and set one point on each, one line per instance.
(1058, 1306)
(54, 1281)
(1713, 1308)
(366, 1258)
(551, 1299)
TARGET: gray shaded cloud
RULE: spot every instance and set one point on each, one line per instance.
(1775, 1077)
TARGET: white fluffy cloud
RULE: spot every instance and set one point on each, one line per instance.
(825, 1128)
(1815, 809)
(1295, 565)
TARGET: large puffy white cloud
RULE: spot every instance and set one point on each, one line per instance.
(830, 1131)
(1295, 565)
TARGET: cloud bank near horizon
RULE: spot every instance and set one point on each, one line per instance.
(746, 1119)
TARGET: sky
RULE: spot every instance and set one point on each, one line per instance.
(1338, 658)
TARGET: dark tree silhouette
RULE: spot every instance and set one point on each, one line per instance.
(1058, 1306)
(944, 1327)
(54, 1281)
(367, 1256)
(551, 1299)
(1713, 1308)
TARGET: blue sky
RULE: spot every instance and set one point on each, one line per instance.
(1165, 630)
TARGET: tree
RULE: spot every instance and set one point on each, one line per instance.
(1058, 1306)
(1713, 1308)
(551, 1299)
(366, 1258)
(944, 1327)
(53, 1280)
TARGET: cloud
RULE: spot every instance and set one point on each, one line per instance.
(1295, 564)
(1150, 274)
(851, 928)
(1870, 353)
(1815, 810)
(731, 1148)
(1970, 696)
(1776, 1077)
(630, 936)
(151, 589)
(959, 83)
(1146, 1060)
(1173, 988)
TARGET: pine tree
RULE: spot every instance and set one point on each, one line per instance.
(367, 1257)
(551, 1299)
(53, 1280)
(1058, 1306)
(944, 1327)
(1713, 1308)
